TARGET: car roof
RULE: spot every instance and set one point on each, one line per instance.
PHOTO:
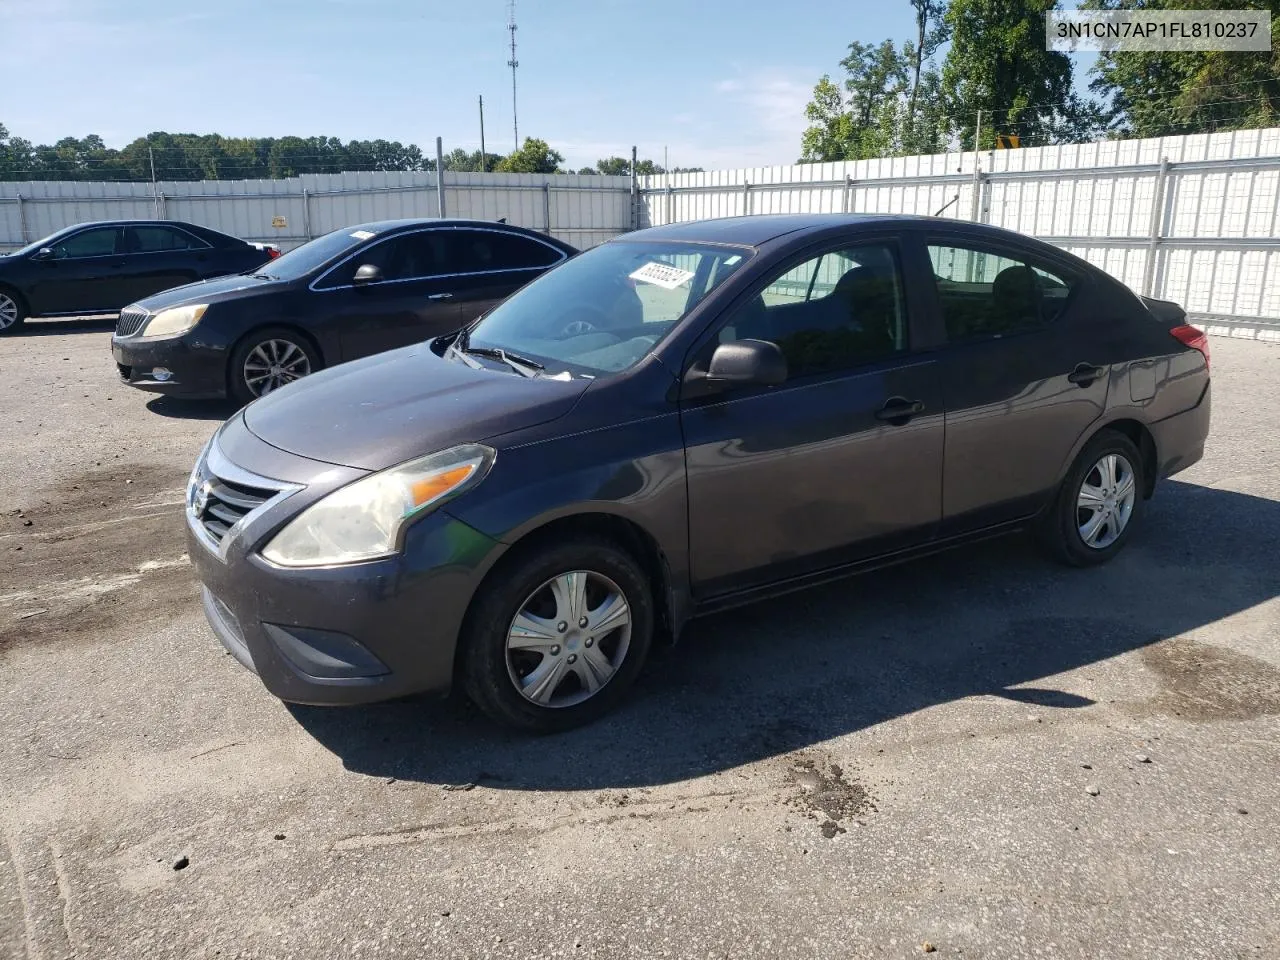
(752, 231)
(382, 226)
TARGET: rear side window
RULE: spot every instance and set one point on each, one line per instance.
(160, 239)
(476, 251)
(99, 242)
(988, 294)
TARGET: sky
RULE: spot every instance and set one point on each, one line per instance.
(715, 85)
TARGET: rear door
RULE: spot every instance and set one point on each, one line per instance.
(413, 301)
(492, 265)
(1024, 371)
(159, 257)
(841, 462)
(85, 275)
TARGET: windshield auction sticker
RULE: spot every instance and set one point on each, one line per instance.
(662, 274)
(1069, 31)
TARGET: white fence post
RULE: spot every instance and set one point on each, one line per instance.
(1157, 229)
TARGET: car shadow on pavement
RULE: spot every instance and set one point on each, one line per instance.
(990, 620)
(179, 409)
(54, 327)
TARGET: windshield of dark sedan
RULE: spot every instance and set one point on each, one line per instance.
(602, 311)
(299, 262)
(48, 241)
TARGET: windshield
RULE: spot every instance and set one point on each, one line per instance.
(39, 244)
(300, 261)
(602, 311)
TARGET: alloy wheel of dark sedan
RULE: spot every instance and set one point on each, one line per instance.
(272, 364)
(10, 312)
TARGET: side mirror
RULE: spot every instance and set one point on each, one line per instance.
(44, 253)
(740, 362)
(368, 273)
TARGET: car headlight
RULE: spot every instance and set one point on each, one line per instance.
(363, 520)
(175, 320)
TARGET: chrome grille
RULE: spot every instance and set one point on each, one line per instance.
(131, 321)
(222, 497)
(219, 505)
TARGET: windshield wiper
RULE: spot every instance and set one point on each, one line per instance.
(521, 365)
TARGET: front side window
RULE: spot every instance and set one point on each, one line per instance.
(836, 311)
(605, 309)
(100, 242)
(410, 256)
(989, 294)
(160, 239)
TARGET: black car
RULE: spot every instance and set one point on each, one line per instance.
(100, 267)
(350, 293)
(524, 507)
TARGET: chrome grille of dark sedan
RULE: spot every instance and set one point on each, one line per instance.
(218, 505)
(131, 321)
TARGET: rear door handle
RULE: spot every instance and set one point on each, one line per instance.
(1084, 374)
(440, 296)
(899, 410)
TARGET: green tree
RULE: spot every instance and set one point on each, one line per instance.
(1162, 93)
(997, 64)
(534, 156)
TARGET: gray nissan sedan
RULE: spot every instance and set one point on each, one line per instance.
(683, 419)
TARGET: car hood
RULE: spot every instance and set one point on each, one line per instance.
(392, 407)
(209, 291)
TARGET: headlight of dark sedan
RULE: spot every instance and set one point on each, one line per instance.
(363, 520)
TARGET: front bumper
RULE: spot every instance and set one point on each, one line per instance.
(194, 370)
(340, 635)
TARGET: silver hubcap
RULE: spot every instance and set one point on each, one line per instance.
(272, 364)
(1105, 501)
(569, 639)
(8, 311)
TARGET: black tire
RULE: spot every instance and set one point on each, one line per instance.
(1059, 529)
(13, 312)
(238, 385)
(486, 675)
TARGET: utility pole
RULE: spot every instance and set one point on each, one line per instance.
(440, 175)
(513, 63)
(483, 159)
(155, 191)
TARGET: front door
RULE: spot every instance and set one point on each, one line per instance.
(86, 274)
(1023, 374)
(841, 462)
(413, 300)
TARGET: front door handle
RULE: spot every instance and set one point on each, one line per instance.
(440, 296)
(1084, 374)
(899, 410)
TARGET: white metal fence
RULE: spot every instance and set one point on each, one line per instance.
(581, 210)
(1191, 219)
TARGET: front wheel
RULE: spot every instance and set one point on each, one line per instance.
(1099, 504)
(12, 314)
(269, 359)
(557, 637)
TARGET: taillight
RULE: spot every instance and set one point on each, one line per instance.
(1195, 338)
(272, 252)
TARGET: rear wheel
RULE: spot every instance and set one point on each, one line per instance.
(12, 313)
(269, 359)
(557, 637)
(1099, 504)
